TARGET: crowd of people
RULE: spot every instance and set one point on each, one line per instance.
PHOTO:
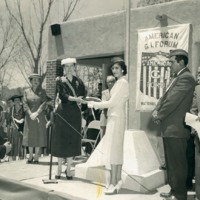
(28, 116)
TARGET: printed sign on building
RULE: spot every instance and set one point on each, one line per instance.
(153, 74)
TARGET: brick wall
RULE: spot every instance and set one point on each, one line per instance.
(54, 69)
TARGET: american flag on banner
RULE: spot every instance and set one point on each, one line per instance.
(153, 66)
(155, 73)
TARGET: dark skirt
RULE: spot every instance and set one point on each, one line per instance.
(66, 138)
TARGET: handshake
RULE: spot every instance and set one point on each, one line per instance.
(88, 100)
(155, 118)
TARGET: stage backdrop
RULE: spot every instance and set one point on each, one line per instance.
(153, 65)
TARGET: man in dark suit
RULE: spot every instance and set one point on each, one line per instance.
(4, 149)
(170, 114)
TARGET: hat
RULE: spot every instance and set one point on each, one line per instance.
(68, 61)
(116, 59)
(178, 52)
(34, 75)
(15, 97)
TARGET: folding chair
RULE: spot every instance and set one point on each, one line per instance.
(93, 127)
(83, 134)
(83, 127)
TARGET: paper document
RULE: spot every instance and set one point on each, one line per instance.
(192, 120)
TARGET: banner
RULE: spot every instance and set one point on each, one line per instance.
(153, 67)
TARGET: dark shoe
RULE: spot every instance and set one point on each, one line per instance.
(68, 177)
(29, 161)
(57, 177)
(36, 162)
(163, 167)
(166, 195)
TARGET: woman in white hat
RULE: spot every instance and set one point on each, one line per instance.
(35, 135)
(66, 140)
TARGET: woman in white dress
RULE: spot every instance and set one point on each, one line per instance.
(114, 136)
(105, 96)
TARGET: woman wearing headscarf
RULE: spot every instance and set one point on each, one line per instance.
(66, 137)
(35, 135)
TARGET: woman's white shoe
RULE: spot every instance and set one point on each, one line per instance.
(119, 185)
(111, 190)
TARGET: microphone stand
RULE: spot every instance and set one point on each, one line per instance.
(47, 181)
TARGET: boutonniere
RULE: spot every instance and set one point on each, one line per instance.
(77, 83)
(63, 79)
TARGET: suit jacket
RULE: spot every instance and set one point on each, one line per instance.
(174, 104)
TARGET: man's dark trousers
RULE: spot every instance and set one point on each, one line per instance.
(176, 163)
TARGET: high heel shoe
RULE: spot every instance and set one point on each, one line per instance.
(119, 185)
(36, 162)
(111, 190)
(68, 177)
(57, 177)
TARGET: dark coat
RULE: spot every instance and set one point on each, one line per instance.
(174, 104)
(66, 137)
(2, 151)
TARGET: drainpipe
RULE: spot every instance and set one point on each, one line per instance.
(127, 48)
(127, 42)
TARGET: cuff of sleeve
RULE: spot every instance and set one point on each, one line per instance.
(90, 105)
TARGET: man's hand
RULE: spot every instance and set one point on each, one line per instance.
(155, 114)
(157, 121)
(155, 117)
(8, 147)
